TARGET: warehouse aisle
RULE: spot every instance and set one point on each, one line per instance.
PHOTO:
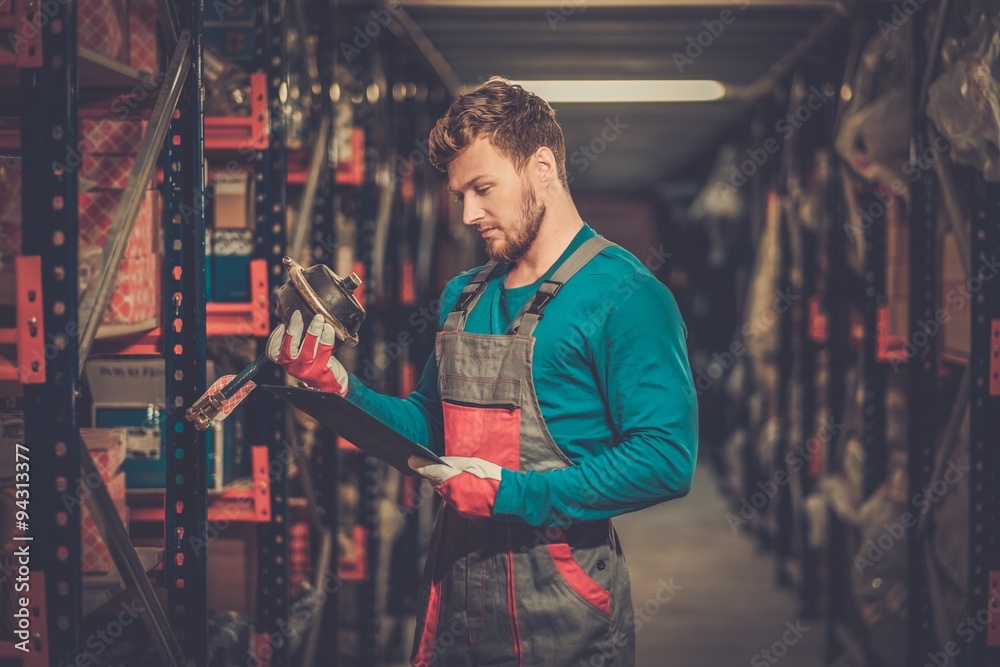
(704, 596)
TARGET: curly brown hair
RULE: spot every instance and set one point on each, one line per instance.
(516, 121)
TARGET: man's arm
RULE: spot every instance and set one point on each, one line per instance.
(642, 369)
(418, 416)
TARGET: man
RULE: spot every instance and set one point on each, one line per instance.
(559, 394)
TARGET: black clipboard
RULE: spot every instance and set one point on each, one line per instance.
(364, 430)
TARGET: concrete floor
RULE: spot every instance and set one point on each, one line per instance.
(725, 608)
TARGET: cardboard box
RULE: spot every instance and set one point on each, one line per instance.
(143, 52)
(955, 300)
(106, 447)
(232, 203)
(97, 211)
(137, 292)
(105, 172)
(123, 393)
(232, 569)
(232, 250)
(95, 557)
(235, 40)
(100, 27)
(114, 137)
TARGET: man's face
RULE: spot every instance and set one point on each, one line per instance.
(499, 203)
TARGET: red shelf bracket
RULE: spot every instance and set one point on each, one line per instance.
(30, 320)
(26, 45)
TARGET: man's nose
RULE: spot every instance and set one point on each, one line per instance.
(471, 214)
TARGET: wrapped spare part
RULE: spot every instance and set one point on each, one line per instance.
(874, 133)
(227, 85)
(963, 102)
(879, 567)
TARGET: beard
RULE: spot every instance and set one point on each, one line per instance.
(515, 240)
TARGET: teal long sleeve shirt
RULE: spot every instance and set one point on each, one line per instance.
(614, 385)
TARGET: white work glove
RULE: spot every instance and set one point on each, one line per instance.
(308, 358)
(467, 483)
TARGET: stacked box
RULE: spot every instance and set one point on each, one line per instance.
(142, 46)
(110, 137)
(229, 26)
(231, 203)
(100, 27)
(232, 250)
(109, 151)
(136, 297)
(129, 393)
(97, 211)
(95, 557)
(107, 449)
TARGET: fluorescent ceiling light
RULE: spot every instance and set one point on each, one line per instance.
(626, 91)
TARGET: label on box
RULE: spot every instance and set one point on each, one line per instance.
(232, 242)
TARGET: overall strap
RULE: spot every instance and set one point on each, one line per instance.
(532, 312)
(468, 299)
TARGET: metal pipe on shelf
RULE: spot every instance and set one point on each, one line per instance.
(303, 222)
(99, 292)
(133, 574)
(323, 565)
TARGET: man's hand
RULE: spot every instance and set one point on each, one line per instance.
(309, 358)
(467, 484)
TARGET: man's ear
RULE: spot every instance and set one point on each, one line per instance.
(544, 164)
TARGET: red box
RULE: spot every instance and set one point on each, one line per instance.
(136, 297)
(142, 53)
(107, 447)
(100, 27)
(97, 210)
(114, 137)
(105, 172)
(95, 557)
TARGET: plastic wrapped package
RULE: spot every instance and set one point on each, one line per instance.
(720, 205)
(230, 637)
(946, 535)
(227, 85)
(734, 451)
(879, 566)
(760, 330)
(964, 101)
(871, 138)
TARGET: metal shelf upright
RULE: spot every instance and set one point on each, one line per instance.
(49, 99)
(184, 353)
(269, 413)
(921, 367)
(984, 422)
(368, 467)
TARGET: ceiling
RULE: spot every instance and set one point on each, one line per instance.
(654, 141)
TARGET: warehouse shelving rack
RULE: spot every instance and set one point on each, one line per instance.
(48, 310)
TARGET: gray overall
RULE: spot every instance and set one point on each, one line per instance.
(499, 593)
